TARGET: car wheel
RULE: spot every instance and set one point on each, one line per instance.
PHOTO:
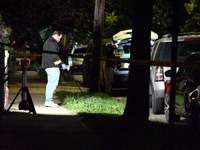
(157, 104)
(150, 101)
(166, 107)
(150, 95)
(167, 110)
(193, 115)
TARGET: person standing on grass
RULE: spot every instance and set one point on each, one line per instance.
(51, 62)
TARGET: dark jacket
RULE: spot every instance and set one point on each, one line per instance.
(49, 58)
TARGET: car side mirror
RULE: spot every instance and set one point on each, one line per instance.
(168, 73)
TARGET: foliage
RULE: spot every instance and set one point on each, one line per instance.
(162, 16)
(118, 16)
(110, 19)
(92, 103)
(76, 17)
(35, 66)
(4, 32)
(189, 19)
(68, 16)
(193, 21)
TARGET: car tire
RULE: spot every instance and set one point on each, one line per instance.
(150, 96)
(166, 107)
(157, 104)
(150, 101)
(193, 116)
(167, 110)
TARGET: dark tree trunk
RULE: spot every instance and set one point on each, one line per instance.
(97, 45)
(137, 107)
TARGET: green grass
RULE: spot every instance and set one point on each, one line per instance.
(69, 83)
(91, 103)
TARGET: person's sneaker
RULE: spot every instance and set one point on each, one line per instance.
(50, 104)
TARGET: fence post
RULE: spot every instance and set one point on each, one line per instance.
(2, 86)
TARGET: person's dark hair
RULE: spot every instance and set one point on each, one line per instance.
(57, 32)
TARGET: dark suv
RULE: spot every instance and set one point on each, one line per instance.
(161, 51)
(187, 97)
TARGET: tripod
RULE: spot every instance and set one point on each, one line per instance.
(26, 102)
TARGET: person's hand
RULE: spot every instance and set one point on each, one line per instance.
(64, 67)
(68, 67)
(57, 62)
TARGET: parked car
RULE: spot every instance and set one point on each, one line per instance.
(126, 35)
(161, 51)
(75, 63)
(115, 77)
(87, 62)
(121, 43)
(112, 77)
(187, 88)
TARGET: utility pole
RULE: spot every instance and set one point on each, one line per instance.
(175, 22)
(97, 44)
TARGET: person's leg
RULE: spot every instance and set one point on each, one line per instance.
(53, 75)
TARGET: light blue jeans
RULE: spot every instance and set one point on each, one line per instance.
(53, 75)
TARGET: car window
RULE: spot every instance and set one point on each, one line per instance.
(192, 71)
(159, 54)
(126, 48)
(188, 71)
(188, 49)
(121, 45)
(80, 50)
(184, 48)
(153, 50)
(196, 71)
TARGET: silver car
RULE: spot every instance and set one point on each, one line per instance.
(75, 63)
(161, 51)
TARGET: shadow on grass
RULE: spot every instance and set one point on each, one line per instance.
(116, 134)
(107, 132)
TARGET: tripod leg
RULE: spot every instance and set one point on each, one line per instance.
(75, 82)
(14, 99)
(32, 108)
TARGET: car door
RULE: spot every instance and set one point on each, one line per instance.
(185, 87)
(181, 81)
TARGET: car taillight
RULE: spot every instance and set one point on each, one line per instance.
(159, 74)
(75, 67)
(114, 46)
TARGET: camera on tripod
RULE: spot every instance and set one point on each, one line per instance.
(26, 100)
(23, 62)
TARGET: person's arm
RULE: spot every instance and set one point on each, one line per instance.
(54, 47)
